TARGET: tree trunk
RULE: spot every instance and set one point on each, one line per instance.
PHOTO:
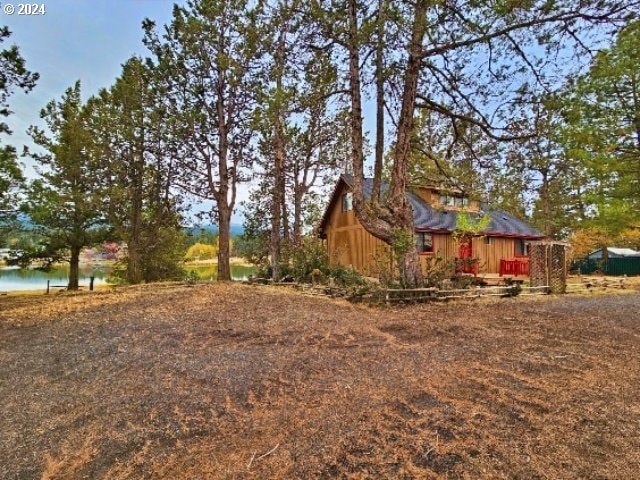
(546, 204)
(637, 166)
(398, 197)
(286, 232)
(357, 154)
(397, 200)
(369, 218)
(277, 200)
(276, 208)
(297, 217)
(134, 260)
(74, 268)
(134, 263)
(221, 194)
(395, 219)
(377, 168)
(410, 269)
(224, 223)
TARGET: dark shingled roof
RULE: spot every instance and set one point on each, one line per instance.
(427, 218)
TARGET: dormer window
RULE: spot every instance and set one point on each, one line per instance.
(347, 202)
(454, 201)
(447, 200)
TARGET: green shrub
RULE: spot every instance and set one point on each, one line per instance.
(254, 248)
(163, 258)
(308, 262)
(436, 270)
(345, 276)
(384, 268)
(310, 254)
(192, 277)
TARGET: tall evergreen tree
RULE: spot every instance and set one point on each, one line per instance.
(132, 146)
(207, 59)
(66, 202)
(13, 76)
(297, 123)
(555, 178)
(603, 131)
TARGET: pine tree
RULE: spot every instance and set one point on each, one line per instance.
(603, 131)
(13, 76)
(298, 141)
(206, 61)
(132, 145)
(66, 202)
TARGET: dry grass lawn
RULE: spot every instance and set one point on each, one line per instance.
(238, 382)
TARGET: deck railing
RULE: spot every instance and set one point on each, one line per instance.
(514, 266)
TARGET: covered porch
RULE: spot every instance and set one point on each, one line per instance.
(510, 269)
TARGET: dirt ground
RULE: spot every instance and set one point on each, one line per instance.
(239, 382)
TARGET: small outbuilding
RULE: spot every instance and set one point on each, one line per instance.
(613, 252)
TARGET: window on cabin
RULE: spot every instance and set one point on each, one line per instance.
(488, 240)
(424, 242)
(521, 248)
(347, 202)
(453, 201)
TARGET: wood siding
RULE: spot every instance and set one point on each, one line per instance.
(445, 246)
(349, 244)
(490, 255)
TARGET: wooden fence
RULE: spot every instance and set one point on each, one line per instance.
(590, 284)
(390, 296)
(64, 287)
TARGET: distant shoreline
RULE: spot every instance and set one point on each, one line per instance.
(233, 261)
(239, 261)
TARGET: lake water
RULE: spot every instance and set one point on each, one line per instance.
(16, 279)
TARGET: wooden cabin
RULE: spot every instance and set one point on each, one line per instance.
(501, 249)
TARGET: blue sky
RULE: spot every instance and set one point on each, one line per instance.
(87, 40)
(76, 39)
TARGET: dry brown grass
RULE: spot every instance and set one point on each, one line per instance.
(202, 382)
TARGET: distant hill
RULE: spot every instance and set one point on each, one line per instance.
(236, 229)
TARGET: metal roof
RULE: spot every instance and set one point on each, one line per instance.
(623, 252)
(427, 218)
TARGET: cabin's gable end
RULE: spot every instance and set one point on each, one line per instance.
(348, 243)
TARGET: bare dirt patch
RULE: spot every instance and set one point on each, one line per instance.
(228, 381)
